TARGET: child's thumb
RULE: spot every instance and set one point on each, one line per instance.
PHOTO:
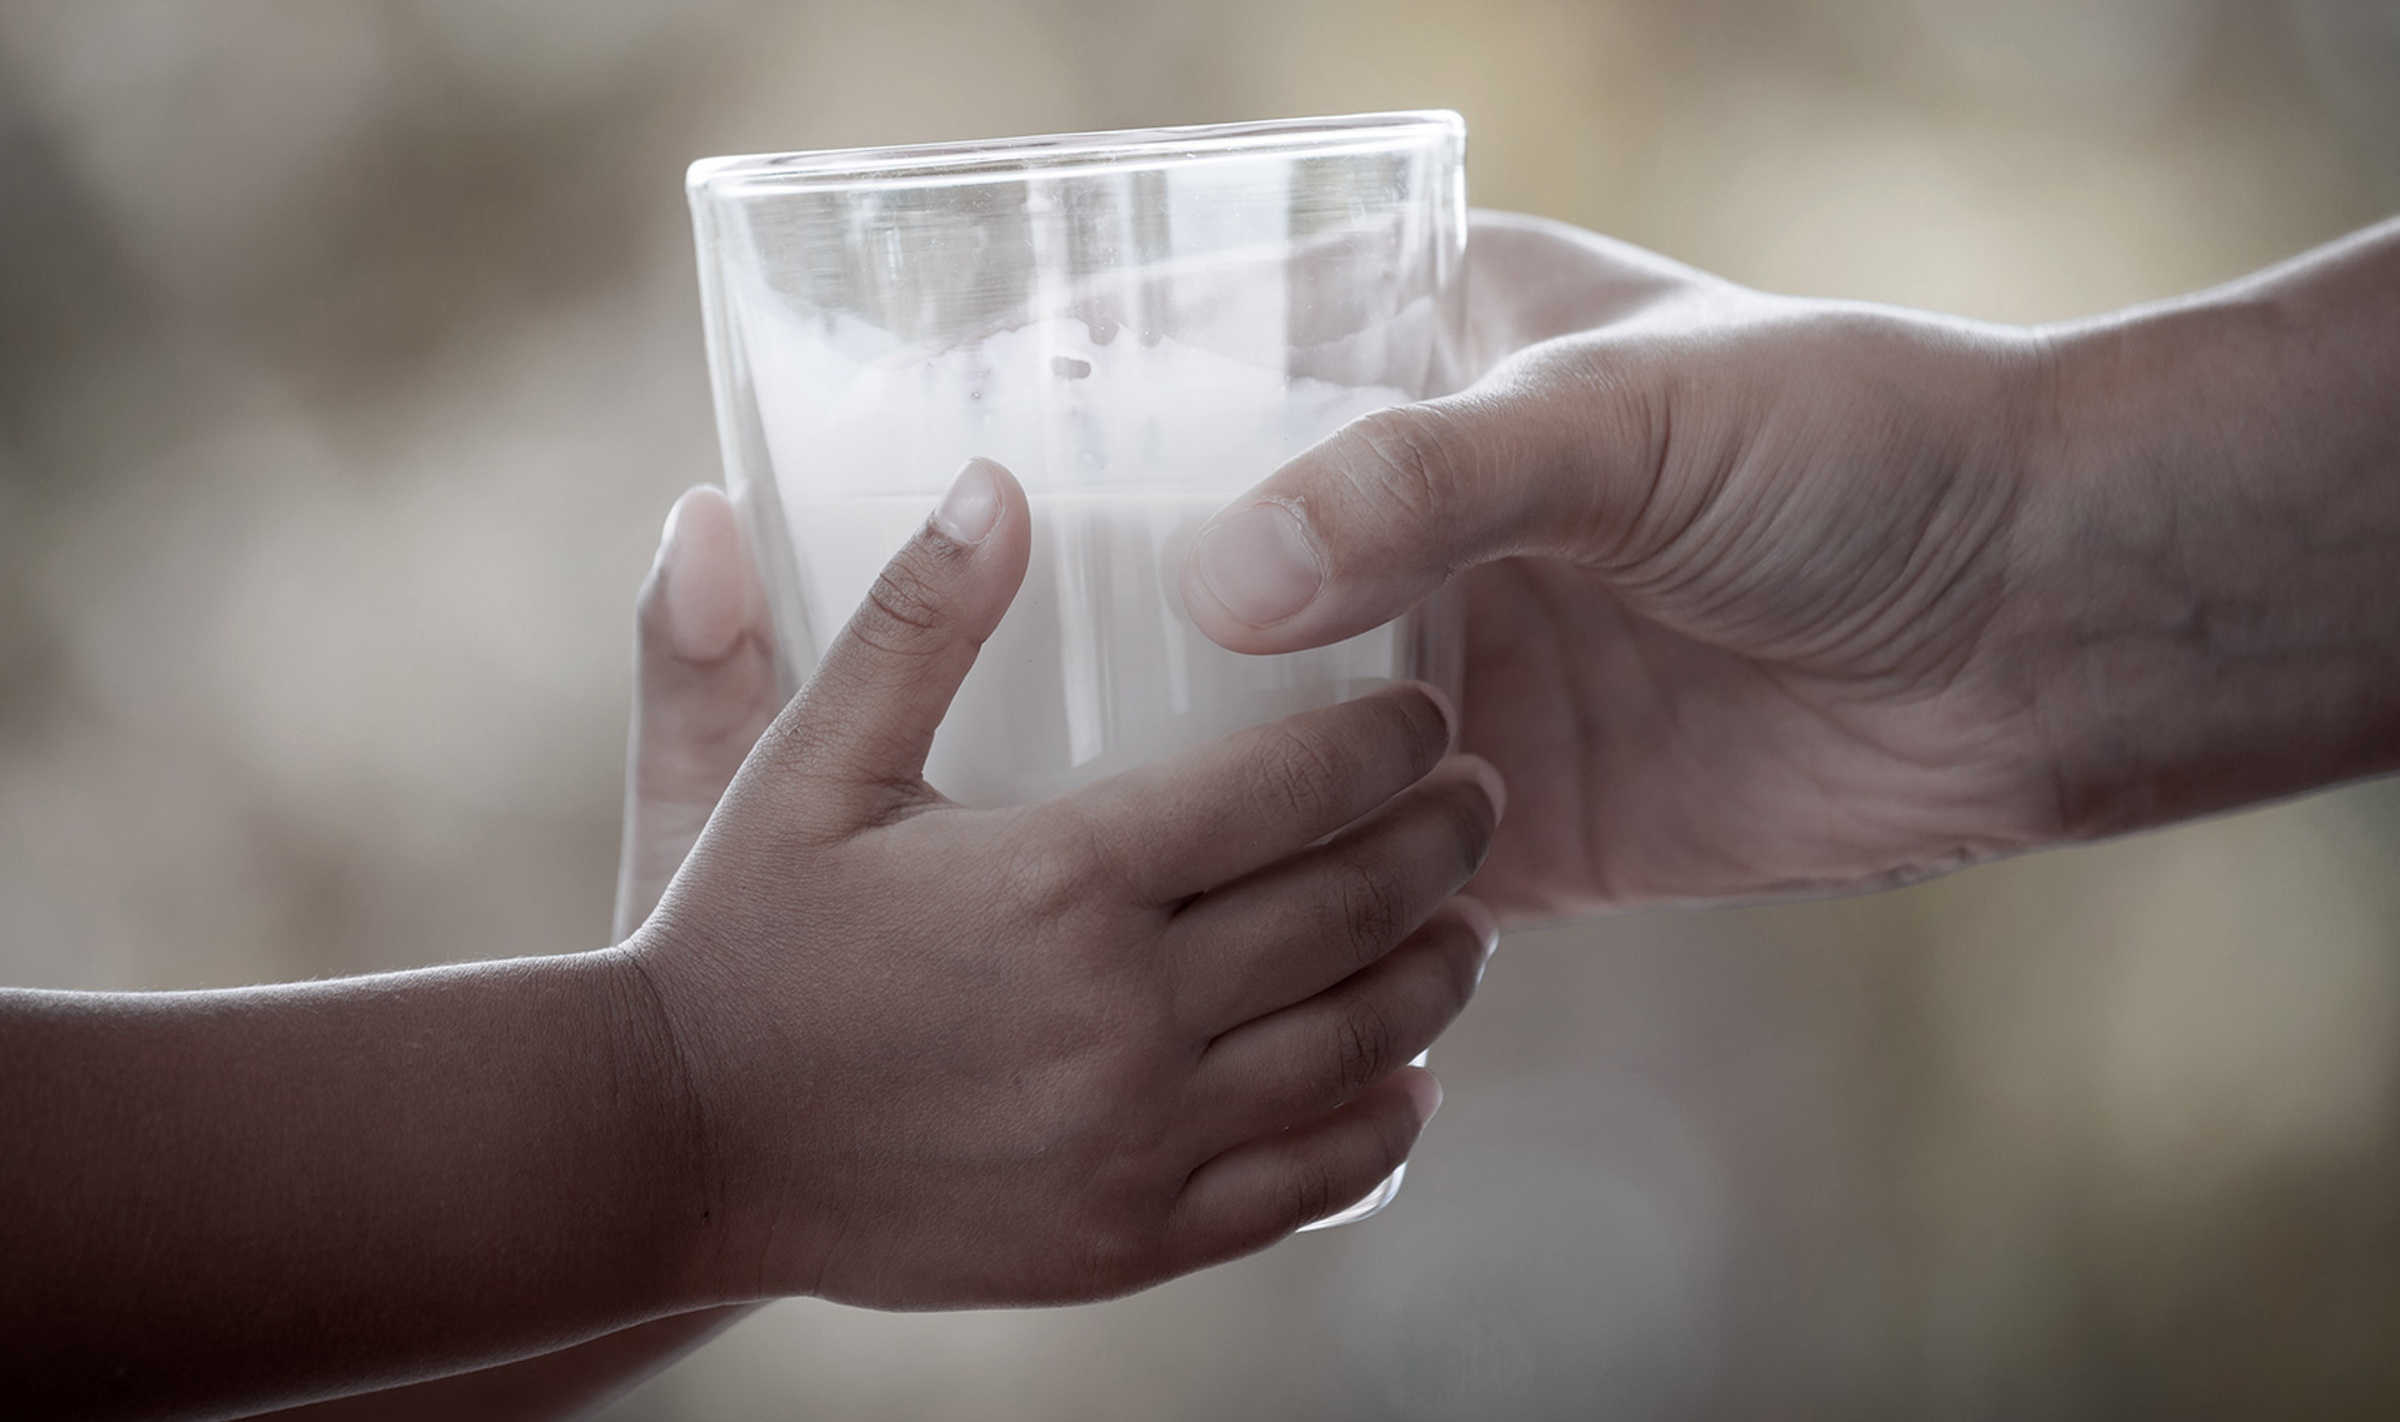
(867, 718)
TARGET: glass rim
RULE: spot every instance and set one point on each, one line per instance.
(1006, 160)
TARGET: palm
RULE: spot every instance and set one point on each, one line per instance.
(1778, 677)
(1644, 764)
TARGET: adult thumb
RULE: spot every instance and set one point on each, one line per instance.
(1547, 454)
(866, 718)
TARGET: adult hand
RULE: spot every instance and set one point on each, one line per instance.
(1766, 595)
(1731, 569)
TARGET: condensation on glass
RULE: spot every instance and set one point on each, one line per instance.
(1141, 325)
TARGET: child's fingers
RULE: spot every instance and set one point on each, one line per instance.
(1289, 932)
(704, 688)
(1298, 1064)
(866, 719)
(1214, 814)
(1255, 1194)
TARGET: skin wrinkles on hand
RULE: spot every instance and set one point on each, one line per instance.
(1768, 594)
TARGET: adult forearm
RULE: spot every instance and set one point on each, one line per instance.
(2212, 548)
(217, 1202)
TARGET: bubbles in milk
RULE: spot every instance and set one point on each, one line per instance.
(1125, 449)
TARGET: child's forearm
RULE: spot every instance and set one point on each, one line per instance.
(218, 1202)
(558, 1384)
(899, 1052)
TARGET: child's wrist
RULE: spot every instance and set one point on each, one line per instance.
(665, 1136)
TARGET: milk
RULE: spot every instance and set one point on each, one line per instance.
(1126, 447)
(1139, 348)
(1096, 667)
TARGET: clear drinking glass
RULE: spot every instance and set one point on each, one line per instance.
(1140, 325)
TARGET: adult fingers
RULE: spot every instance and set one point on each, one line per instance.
(704, 688)
(1549, 453)
(1531, 278)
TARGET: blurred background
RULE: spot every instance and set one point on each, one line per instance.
(350, 357)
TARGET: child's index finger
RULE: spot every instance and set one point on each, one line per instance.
(1214, 814)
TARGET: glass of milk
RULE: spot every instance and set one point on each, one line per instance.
(1140, 325)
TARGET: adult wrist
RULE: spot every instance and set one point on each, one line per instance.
(2210, 521)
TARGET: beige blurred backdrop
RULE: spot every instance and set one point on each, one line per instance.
(349, 359)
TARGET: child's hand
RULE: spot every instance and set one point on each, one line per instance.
(936, 1056)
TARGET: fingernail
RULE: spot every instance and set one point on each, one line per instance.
(972, 506)
(1426, 1088)
(673, 557)
(701, 624)
(1259, 565)
(1494, 787)
(666, 535)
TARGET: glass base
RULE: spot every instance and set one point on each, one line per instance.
(1376, 1199)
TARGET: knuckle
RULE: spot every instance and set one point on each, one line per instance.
(1407, 723)
(1365, 1047)
(824, 774)
(1405, 460)
(1625, 405)
(1310, 1193)
(1300, 776)
(905, 612)
(811, 767)
(1059, 861)
(1467, 822)
(1044, 872)
(794, 738)
(1370, 909)
(1085, 849)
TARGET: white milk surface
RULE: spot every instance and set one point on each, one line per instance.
(1125, 450)
(1096, 667)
